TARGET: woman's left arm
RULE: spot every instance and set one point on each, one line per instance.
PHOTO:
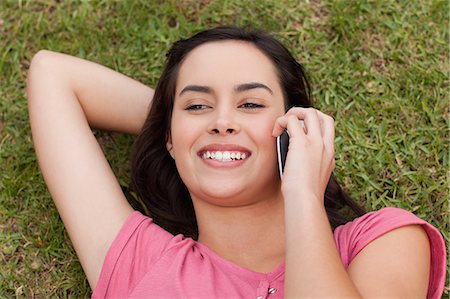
(313, 264)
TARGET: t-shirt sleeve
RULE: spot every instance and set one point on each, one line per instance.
(139, 243)
(352, 237)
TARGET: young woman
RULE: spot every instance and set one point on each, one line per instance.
(205, 164)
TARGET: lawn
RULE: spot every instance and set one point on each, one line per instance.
(379, 67)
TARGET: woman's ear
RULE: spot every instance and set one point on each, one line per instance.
(169, 145)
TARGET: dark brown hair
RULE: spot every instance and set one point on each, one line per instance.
(154, 175)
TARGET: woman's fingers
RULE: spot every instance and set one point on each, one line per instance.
(295, 126)
(282, 122)
(328, 134)
(313, 123)
(309, 124)
(280, 125)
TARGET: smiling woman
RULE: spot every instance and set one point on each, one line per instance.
(239, 101)
(224, 225)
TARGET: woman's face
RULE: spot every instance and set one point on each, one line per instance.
(227, 100)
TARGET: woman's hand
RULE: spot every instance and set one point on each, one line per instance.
(310, 158)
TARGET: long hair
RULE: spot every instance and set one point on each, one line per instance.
(154, 175)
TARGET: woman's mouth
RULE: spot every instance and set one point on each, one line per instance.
(224, 156)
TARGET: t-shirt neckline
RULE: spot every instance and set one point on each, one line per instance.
(237, 269)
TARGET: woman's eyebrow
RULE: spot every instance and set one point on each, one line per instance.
(197, 88)
(238, 88)
(252, 85)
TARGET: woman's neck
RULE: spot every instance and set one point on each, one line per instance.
(250, 236)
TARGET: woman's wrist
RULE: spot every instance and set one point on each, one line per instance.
(302, 196)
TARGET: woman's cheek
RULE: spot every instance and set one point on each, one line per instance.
(262, 134)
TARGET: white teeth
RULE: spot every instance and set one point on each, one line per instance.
(218, 155)
(224, 156)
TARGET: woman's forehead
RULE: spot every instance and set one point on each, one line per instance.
(226, 63)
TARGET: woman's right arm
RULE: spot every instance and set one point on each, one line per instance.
(66, 97)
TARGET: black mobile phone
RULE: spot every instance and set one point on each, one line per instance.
(282, 150)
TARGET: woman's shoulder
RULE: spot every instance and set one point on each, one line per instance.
(374, 224)
(352, 237)
(386, 218)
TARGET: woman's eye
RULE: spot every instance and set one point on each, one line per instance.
(251, 106)
(196, 107)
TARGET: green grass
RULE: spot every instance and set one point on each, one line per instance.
(379, 67)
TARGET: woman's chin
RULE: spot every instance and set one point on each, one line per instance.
(229, 195)
(225, 196)
(231, 188)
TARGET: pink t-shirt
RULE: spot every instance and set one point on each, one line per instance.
(145, 261)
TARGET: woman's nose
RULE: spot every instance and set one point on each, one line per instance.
(223, 125)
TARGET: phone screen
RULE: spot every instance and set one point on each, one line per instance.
(282, 149)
